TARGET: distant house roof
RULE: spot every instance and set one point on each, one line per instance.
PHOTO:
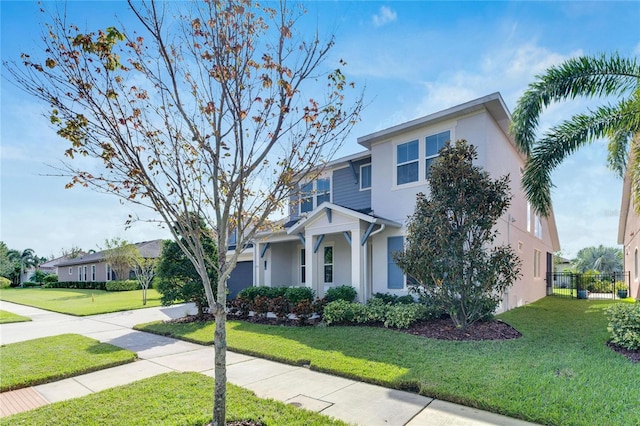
(148, 249)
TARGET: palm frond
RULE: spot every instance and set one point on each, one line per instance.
(605, 75)
(564, 139)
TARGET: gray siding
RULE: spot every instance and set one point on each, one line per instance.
(346, 189)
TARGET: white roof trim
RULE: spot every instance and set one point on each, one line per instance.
(343, 210)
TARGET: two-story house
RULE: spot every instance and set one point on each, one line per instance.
(345, 225)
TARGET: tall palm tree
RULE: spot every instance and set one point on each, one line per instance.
(606, 76)
(603, 259)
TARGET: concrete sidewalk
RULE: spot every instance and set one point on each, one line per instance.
(348, 400)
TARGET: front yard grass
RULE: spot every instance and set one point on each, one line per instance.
(80, 302)
(47, 359)
(560, 372)
(167, 399)
(7, 317)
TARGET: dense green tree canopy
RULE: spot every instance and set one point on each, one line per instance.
(449, 251)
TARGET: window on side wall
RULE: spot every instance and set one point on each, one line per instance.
(79, 273)
(395, 276)
(635, 263)
(93, 272)
(365, 177)
(537, 255)
(108, 272)
(312, 194)
(433, 145)
(407, 166)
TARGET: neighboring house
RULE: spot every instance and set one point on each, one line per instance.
(561, 264)
(629, 236)
(92, 266)
(344, 226)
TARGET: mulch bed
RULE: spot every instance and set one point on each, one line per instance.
(632, 355)
(440, 328)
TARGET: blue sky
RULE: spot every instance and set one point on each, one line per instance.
(414, 58)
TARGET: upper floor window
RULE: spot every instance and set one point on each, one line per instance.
(315, 193)
(365, 176)
(433, 145)
(232, 238)
(407, 162)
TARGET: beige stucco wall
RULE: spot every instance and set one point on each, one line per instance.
(498, 156)
(631, 245)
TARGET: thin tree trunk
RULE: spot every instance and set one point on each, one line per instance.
(220, 345)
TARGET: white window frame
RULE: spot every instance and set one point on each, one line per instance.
(93, 273)
(537, 255)
(635, 264)
(406, 163)
(366, 188)
(70, 270)
(332, 264)
(84, 273)
(303, 266)
(314, 193)
(79, 273)
(537, 226)
(107, 272)
(437, 154)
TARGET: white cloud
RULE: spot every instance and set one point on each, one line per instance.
(384, 17)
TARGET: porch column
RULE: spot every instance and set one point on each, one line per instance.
(258, 265)
(357, 262)
(311, 281)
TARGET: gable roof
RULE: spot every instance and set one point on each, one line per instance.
(148, 249)
(300, 224)
(493, 104)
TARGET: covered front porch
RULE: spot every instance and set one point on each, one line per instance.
(329, 247)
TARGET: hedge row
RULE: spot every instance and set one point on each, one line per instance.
(127, 285)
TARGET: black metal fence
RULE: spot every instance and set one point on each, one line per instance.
(589, 286)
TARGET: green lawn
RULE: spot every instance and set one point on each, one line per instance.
(169, 399)
(559, 372)
(54, 358)
(7, 317)
(80, 302)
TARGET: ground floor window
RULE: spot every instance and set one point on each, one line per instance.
(79, 273)
(303, 266)
(84, 270)
(536, 263)
(395, 276)
(328, 264)
(93, 272)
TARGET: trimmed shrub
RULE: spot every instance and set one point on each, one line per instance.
(303, 310)
(30, 284)
(81, 285)
(343, 292)
(319, 305)
(279, 306)
(5, 282)
(402, 315)
(298, 294)
(261, 306)
(339, 311)
(51, 278)
(407, 299)
(624, 325)
(377, 309)
(240, 306)
(252, 293)
(123, 285)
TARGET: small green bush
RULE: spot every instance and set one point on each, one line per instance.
(252, 293)
(402, 315)
(394, 299)
(343, 292)
(30, 284)
(123, 285)
(624, 325)
(298, 294)
(377, 308)
(51, 278)
(5, 282)
(339, 312)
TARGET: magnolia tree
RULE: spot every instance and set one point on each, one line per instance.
(449, 250)
(211, 109)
